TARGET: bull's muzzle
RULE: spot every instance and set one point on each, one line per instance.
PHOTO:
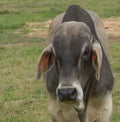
(67, 94)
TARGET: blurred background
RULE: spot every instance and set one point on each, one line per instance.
(23, 31)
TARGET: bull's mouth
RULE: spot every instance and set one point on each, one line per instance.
(78, 105)
(71, 102)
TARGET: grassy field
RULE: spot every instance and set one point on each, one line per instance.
(22, 99)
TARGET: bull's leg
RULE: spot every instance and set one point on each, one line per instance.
(100, 110)
(106, 116)
(57, 115)
(107, 111)
(82, 115)
(53, 119)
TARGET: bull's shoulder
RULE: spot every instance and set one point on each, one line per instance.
(100, 31)
(54, 24)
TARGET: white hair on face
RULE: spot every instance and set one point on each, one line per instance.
(76, 84)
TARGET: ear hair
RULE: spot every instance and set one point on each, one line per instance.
(97, 58)
(47, 59)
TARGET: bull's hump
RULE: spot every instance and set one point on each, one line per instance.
(76, 13)
(72, 13)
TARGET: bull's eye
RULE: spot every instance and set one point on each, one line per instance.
(86, 55)
(86, 52)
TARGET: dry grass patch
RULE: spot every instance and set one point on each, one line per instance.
(112, 26)
(38, 29)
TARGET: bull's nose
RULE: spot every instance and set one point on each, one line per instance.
(67, 94)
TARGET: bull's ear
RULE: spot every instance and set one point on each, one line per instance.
(97, 58)
(47, 59)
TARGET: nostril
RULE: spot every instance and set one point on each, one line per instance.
(67, 94)
(73, 93)
(60, 94)
(72, 90)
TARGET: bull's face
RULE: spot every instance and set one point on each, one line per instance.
(75, 54)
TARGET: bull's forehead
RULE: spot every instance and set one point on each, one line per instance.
(72, 28)
(70, 38)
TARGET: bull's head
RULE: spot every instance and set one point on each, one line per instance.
(75, 54)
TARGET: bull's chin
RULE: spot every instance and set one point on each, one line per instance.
(70, 102)
(79, 106)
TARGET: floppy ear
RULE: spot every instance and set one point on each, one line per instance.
(97, 58)
(47, 59)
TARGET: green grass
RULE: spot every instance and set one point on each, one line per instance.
(115, 65)
(22, 99)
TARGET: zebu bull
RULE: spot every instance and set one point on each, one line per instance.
(76, 67)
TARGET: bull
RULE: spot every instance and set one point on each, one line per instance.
(77, 72)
